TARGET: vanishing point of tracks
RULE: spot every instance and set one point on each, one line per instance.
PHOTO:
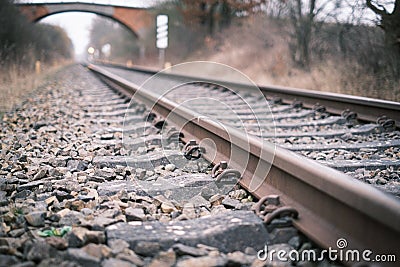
(140, 190)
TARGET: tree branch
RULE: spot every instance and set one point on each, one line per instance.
(376, 10)
(396, 9)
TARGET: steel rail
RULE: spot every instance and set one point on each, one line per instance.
(367, 109)
(331, 205)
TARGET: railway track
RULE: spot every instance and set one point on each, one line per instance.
(362, 144)
(365, 150)
(91, 179)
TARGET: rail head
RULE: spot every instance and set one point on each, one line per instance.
(331, 204)
(368, 109)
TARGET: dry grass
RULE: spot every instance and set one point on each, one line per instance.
(17, 83)
(258, 47)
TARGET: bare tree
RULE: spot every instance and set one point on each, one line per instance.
(302, 19)
(215, 14)
(389, 22)
(276, 8)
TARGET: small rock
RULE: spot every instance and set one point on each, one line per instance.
(167, 207)
(27, 264)
(204, 212)
(8, 260)
(30, 185)
(150, 208)
(250, 251)
(43, 196)
(199, 201)
(381, 181)
(86, 211)
(80, 236)
(216, 200)
(115, 263)
(238, 258)
(58, 262)
(164, 259)
(347, 136)
(76, 205)
(23, 194)
(50, 200)
(146, 248)
(9, 217)
(97, 251)
(170, 167)
(202, 262)
(57, 242)
(7, 250)
(62, 195)
(36, 218)
(54, 217)
(77, 165)
(282, 235)
(70, 218)
(41, 206)
(295, 242)
(118, 245)
(111, 213)
(16, 232)
(85, 198)
(218, 210)
(108, 136)
(40, 250)
(238, 194)
(77, 237)
(97, 179)
(135, 214)
(230, 203)
(182, 250)
(82, 258)
(106, 173)
(100, 222)
(175, 214)
(40, 174)
(189, 211)
(244, 205)
(3, 199)
(131, 257)
(96, 237)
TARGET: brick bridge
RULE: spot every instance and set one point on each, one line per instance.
(135, 19)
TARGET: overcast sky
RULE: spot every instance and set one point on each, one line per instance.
(77, 26)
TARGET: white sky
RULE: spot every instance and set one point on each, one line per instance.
(76, 24)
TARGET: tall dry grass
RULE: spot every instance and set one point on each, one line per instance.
(356, 81)
(17, 82)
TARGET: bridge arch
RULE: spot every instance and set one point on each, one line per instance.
(134, 19)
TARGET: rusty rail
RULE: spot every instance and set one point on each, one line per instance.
(331, 205)
(367, 109)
